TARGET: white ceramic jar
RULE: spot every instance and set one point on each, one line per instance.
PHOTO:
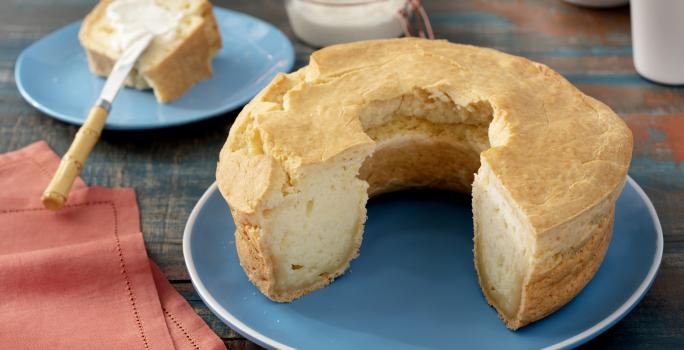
(326, 22)
(658, 39)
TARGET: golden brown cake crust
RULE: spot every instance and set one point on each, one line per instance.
(549, 123)
(186, 64)
(562, 156)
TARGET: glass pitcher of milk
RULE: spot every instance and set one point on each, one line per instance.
(326, 22)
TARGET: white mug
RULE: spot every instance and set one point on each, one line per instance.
(658, 40)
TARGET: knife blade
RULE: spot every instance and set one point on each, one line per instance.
(122, 67)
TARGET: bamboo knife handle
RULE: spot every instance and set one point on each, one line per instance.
(57, 191)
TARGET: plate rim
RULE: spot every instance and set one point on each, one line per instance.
(213, 305)
(235, 104)
(576, 340)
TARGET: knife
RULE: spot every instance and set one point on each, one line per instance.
(57, 191)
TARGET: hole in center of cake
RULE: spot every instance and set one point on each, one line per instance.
(424, 140)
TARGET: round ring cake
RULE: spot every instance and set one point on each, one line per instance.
(544, 163)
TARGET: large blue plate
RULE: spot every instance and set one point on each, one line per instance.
(414, 286)
(52, 74)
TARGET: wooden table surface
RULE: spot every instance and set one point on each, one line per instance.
(171, 168)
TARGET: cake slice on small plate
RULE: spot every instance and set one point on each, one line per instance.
(187, 39)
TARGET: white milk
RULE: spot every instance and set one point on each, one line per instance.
(321, 23)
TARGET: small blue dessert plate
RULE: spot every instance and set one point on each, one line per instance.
(52, 74)
(414, 285)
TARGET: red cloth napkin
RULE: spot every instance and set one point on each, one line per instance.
(80, 278)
